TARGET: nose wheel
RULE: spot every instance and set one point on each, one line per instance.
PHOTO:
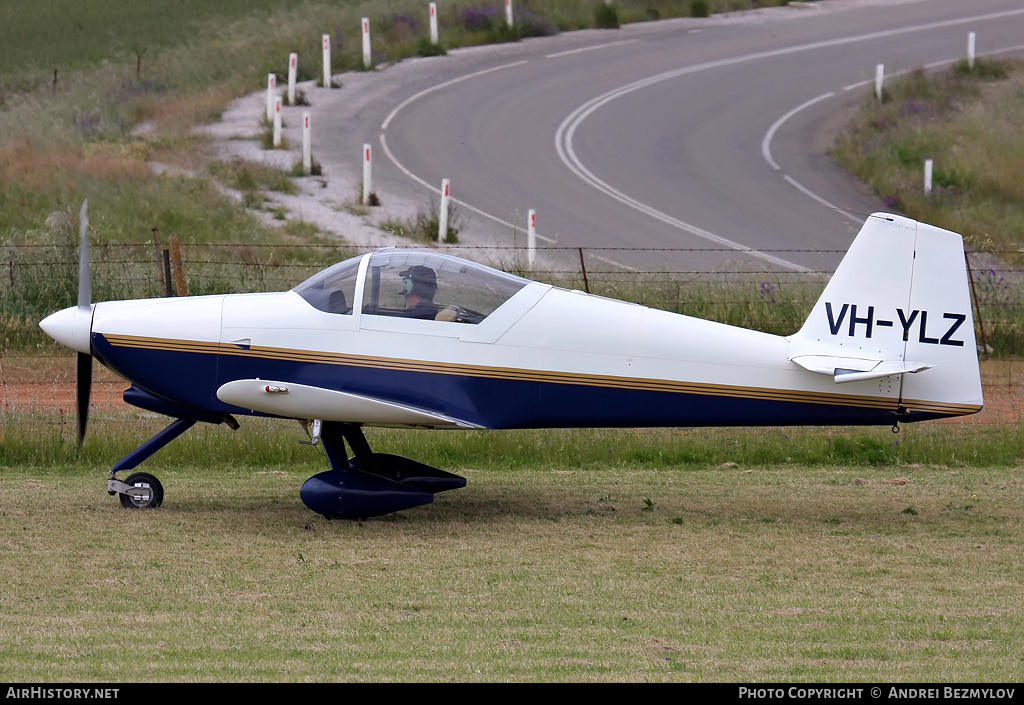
(140, 491)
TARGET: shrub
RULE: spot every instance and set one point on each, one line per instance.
(606, 16)
(424, 47)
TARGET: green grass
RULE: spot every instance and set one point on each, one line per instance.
(48, 440)
(614, 573)
(977, 188)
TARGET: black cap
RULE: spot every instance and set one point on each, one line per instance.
(424, 281)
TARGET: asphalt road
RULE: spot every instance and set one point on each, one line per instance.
(707, 136)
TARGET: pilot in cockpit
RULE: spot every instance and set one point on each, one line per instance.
(419, 284)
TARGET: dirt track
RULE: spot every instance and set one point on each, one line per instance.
(47, 383)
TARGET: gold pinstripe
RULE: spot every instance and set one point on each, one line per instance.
(511, 373)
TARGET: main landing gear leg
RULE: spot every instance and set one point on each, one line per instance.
(141, 490)
(369, 484)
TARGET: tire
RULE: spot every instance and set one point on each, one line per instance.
(143, 479)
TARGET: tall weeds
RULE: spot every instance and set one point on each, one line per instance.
(968, 123)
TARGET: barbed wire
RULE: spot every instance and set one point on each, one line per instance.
(448, 246)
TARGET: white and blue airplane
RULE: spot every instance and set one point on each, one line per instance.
(422, 339)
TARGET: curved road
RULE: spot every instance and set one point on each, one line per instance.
(702, 134)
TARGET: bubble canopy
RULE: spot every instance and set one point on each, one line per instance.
(412, 283)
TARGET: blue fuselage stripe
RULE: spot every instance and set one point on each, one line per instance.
(192, 378)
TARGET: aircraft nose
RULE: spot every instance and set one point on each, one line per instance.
(71, 327)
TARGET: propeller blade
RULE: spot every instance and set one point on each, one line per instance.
(83, 390)
(83, 368)
(84, 275)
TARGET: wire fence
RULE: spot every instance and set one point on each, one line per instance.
(38, 279)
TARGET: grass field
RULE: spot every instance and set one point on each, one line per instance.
(611, 573)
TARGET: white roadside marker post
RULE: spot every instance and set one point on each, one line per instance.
(271, 89)
(879, 76)
(277, 122)
(970, 50)
(927, 175)
(327, 61)
(508, 13)
(531, 236)
(366, 43)
(433, 23)
(367, 175)
(307, 145)
(442, 219)
(293, 66)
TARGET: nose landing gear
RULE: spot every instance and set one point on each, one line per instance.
(140, 490)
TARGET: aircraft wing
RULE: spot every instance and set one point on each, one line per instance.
(855, 369)
(302, 401)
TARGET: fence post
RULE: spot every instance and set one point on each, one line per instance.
(293, 66)
(531, 236)
(307, 145)
(179, 269)
(367, 174)
(277, 122)
(327, 60)
(271, 89)
(583, 268)
(442, 218)
(166, 257)
(977, 307)
(367, 60)
(159, 268)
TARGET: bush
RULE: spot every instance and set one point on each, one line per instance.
(424, 47)
(699, 8)
(491, 19)
(606, 16)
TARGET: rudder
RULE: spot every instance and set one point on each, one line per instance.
(898, 305)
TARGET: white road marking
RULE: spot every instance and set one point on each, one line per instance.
(434, 189)
(590, 48)
(439, 86)
(564, 134)
(766, 143)
(566, 130)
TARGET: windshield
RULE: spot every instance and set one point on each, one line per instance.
(334, 289)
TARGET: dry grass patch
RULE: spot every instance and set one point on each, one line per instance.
(181, 113)
(29, 167)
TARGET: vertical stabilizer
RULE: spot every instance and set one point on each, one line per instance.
(898, 306)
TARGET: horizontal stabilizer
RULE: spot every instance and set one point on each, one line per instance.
(300, 401)
(851, 369)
